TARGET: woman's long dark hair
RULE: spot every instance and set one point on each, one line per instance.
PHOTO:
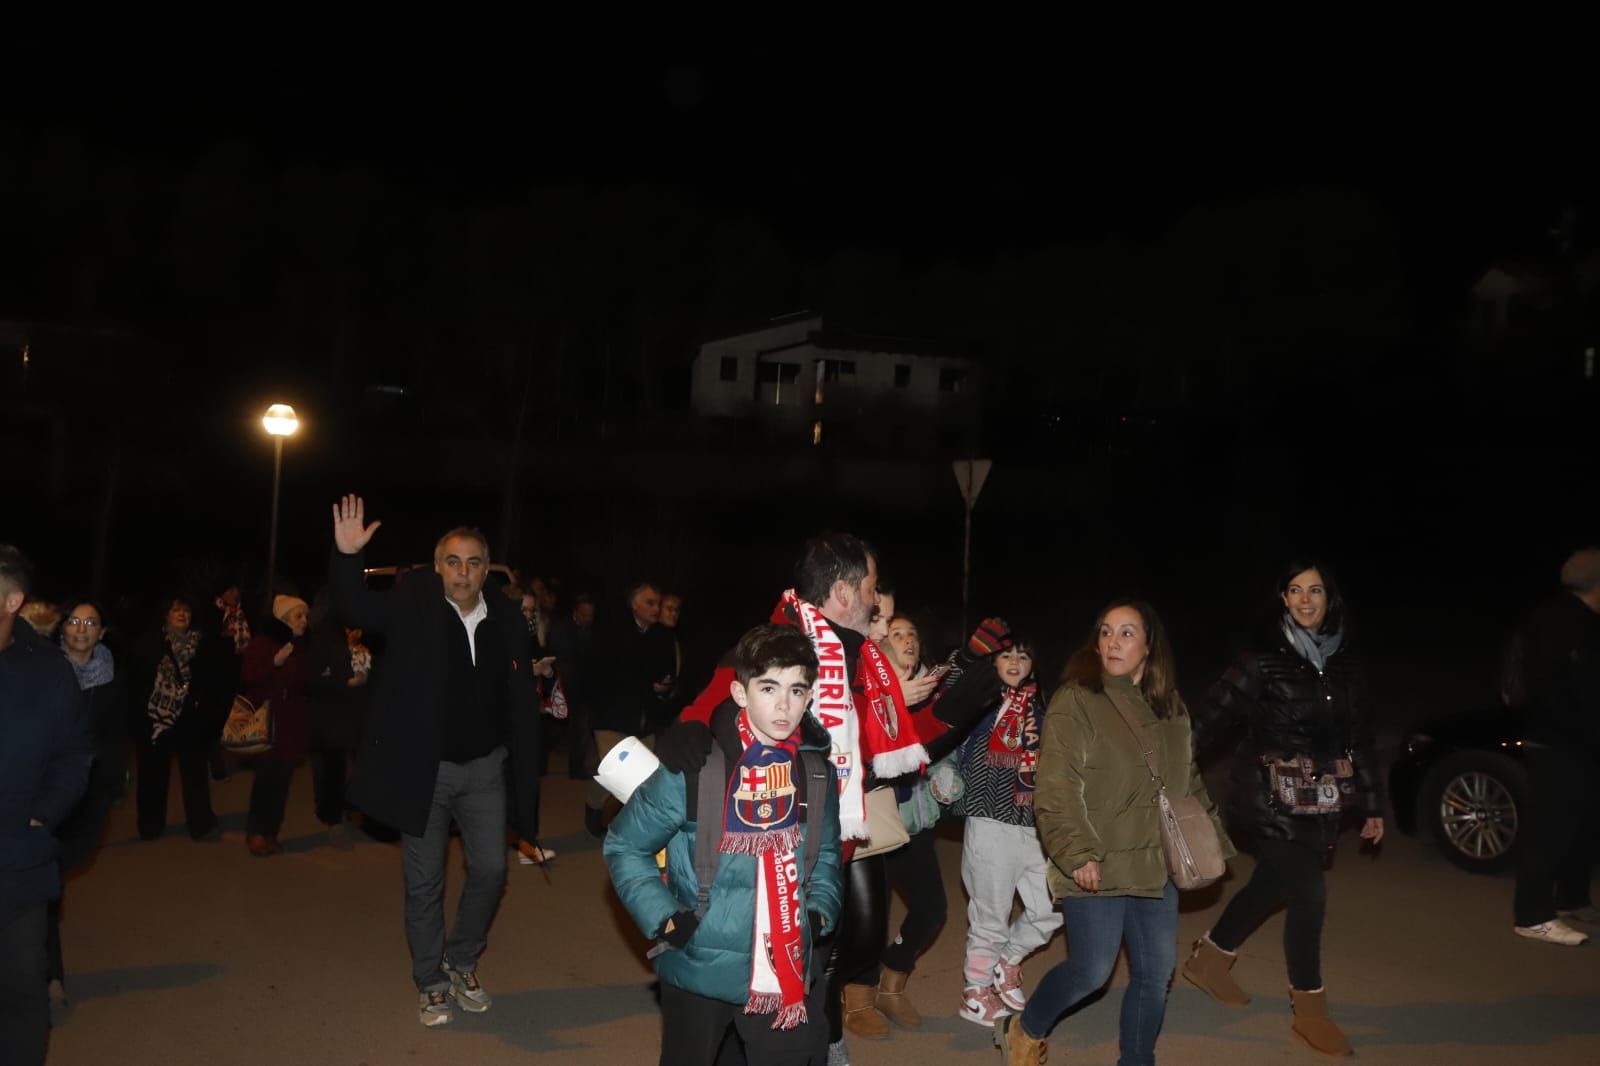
(1334, 620)
(1159, 684)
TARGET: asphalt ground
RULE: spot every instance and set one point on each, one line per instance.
(183, 953)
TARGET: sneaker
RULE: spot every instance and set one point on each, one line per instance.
(981, 1004)
(532, 854)
(469, 995)
(1008, 985)
(433, 1009)
(1554, 931)
(1587, 914)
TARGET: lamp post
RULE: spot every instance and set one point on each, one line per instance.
(280, 421)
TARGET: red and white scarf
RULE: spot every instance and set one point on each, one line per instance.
(1014, 740)
(881, 734)
(761, 817)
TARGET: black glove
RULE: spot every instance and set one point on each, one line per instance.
(684, 747)
(969, 697)
(684, 923)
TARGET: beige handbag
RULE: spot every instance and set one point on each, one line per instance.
(1188, 839)
(248, 730)
(885, 829)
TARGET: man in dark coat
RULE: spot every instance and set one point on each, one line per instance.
(452, 698)
(636, 661)
(44, 766)
(1561, 672)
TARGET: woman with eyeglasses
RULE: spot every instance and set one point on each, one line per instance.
(82, 632)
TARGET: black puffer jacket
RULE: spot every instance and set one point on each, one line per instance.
(1281, 706)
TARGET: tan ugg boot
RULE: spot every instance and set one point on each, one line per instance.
(1207, 969)
(1312, 1026)
(1016, 1045)
(893, 1001)
(861, 1017)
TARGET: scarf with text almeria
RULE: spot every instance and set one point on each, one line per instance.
(1014, 740)
(761, 817)
(877, 732)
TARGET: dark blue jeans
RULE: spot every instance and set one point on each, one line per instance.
(1096, 929)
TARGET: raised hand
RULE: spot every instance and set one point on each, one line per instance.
(350, 531)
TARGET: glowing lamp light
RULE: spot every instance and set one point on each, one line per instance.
(280, 420)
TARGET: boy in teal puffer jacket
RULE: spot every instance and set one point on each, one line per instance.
(763, 892)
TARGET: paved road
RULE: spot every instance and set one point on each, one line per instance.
(181, 953)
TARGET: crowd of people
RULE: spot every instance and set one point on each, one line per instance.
(836, 745)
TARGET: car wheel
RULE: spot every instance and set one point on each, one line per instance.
(1473, 804)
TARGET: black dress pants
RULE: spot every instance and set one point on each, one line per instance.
(913, 872)
(154, 761)
(24, 1004)
(1553, 865)
(327, 784)
(693, 1029)
(269, 796)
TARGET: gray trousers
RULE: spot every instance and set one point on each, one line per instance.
(473, 795)
(1000, 861)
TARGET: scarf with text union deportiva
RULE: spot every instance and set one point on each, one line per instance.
(761, 817)
(875, 731)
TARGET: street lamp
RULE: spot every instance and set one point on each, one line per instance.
(280, 422)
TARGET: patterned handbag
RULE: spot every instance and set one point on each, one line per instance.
(248, 730)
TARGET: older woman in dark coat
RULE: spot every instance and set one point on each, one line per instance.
(1301, 694)
(274, 672)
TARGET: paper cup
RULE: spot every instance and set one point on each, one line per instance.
(626, 767)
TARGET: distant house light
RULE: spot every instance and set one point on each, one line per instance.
(816, 432)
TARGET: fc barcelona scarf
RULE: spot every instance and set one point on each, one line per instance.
(762, 818)
(880, 734)
(1014, 740)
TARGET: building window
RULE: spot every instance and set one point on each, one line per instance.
(902, 376)
(730, 368)
(778, 375)
(837, 369)
(952, 379)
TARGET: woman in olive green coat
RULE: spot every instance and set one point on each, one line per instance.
(1095, 807)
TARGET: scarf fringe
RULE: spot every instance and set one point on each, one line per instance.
(772, 1003)
(887, 764)
(1023, 799)
(853, 827)
(760, 843)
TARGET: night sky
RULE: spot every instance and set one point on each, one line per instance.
(1065, 195)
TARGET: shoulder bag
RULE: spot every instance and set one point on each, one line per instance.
(248, 730)
(1188, 839)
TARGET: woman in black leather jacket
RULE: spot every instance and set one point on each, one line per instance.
(1301, 694)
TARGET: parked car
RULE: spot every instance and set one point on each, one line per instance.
(1462, 781)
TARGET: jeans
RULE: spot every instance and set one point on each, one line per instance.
(1096, 928)
(24, 1005)
(1287, 875)
(473, 794)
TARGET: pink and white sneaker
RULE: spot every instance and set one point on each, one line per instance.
(1008, 985)
(980, 1004)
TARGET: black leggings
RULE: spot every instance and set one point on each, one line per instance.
(913, 872)
(863, 928)
(1287, 875)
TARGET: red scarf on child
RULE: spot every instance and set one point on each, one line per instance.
(761, 817)
(1014, 740)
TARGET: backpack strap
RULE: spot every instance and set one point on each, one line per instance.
(818, 778)
(708, 824)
